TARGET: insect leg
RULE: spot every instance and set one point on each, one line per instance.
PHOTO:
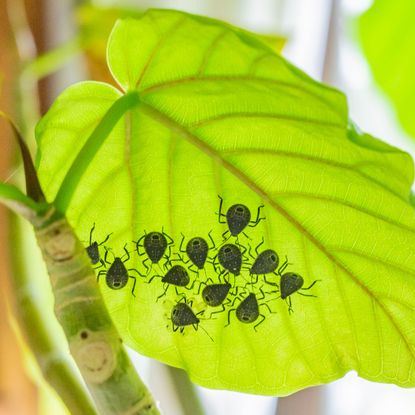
(90, 234)
(146, 266)
(163, 294)
(263, 294)
(258, 218)
(106, 239)
(290, 309)
(250, 252)
(219, 311)
(138, 272)
(171, 242)
(126, 253)
(213, 262)
(224, 236)
(135, 280)
(102, 272)
(213, 242)
(191, 287)
(181, 244)
(138, 246)
(169, 254)
(274, 284)
(283, 266)
(101, 261)
(167, 262)
(242, 248)
(268, 307)
(256, 325)
(220, 214)
(206, 333)
(152, 278)
(246, 236)
(306, 295)
(229, 316)
(310, 285)
(261, 243)
(106, 256)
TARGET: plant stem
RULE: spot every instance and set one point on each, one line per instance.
(93, 340)
(94, 142)
(13, 198)
(53, 60)
(185, 392)
(53, 362)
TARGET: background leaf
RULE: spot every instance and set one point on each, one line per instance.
(221, 114)
(387, 34)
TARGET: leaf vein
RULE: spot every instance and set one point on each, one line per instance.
(351, 168)
(156, 49)
(208, 53)
(350, 205)
(278, 117)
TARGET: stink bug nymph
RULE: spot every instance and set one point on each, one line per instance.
(117, 275)
(93, 248)
(176, 276)
(248, 309)
(214, 295)
(182, 315)
(238, 217)
(197, 250)
(265, 262)
(292, 283)
(155, 245)
(230, 258)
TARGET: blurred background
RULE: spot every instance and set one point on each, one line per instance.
(363, 47)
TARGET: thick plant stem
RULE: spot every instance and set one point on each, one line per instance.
(93, 340)
(53, 362)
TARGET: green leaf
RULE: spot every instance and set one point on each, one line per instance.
(220, 113)
(387, 35)
(12, 197)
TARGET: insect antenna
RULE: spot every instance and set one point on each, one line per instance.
(207, 334)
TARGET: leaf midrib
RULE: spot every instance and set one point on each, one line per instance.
(171, 124)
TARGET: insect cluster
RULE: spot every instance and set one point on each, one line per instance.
(229, 276)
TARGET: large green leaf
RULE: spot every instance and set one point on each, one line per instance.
(221, 114)
(387, 34)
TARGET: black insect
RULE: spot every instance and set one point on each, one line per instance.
(197, 250)
(117, 275)
(155, 245)
(214, 295)
(238, 217)
(292, 283)
(230, 258)
(265, 262)
(248, 309)
(176, 276)
(182, 315)
(93, 248)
